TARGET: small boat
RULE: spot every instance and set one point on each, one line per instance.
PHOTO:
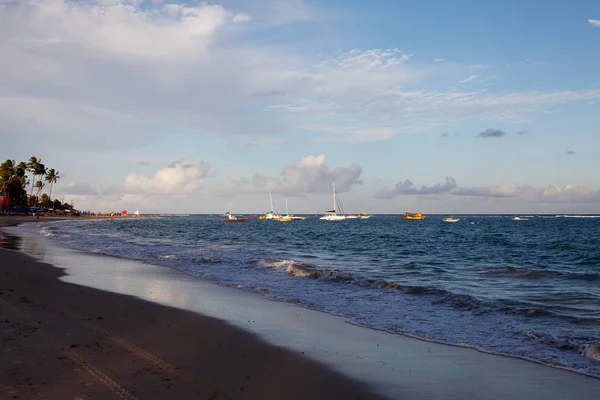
(332, 215)
(270, 214)
(296, 218)
(451, 219)
(287, 217)
(228, 217)
(410, 216)
(520, 219)
(359, 216)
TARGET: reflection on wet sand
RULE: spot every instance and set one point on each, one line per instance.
(9, 242)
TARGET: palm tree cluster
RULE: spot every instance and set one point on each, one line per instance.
(14, 180)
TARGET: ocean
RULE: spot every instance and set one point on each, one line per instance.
(524, 289)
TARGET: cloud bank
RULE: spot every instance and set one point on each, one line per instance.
(180, 177)
(124, 72)
(550, 193)
(310, 175)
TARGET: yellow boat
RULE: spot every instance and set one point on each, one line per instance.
(410, 216)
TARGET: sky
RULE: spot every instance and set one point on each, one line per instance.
(204, 107)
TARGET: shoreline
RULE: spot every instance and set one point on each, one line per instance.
(135, 348)
(396, 364)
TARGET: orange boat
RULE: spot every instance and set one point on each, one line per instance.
(410, 216)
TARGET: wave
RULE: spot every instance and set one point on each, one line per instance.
(207, 260)
(577, 216)
(457, 301)
(523, 273)
(588, 350)
(591, 351)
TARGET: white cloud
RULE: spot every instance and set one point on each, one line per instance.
(380, 91)
(469, 79)
(310, 175)
(175, 187)
(594, 22)
(438, 60)
(180, 177)
(119, 73)
(550, 193)
(241, 17)
(118, 27)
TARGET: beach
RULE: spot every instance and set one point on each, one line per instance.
(61, 341)
(62, 338)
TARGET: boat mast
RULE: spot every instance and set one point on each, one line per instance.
(334, 198)
(271, 200)
(286, 208)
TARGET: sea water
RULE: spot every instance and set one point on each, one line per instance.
(526, 289)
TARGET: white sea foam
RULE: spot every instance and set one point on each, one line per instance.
(277, 263)
(591, 351)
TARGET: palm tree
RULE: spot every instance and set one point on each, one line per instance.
(7, 170)
(21, 169)
(40, 171)
(32, 166)
(39, 185)
(51, 177)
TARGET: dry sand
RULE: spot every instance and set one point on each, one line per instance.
(64, 341)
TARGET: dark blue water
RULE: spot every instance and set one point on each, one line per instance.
(528, 289)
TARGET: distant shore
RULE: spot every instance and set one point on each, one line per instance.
(19, 219)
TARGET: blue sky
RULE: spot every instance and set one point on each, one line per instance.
(205, 107)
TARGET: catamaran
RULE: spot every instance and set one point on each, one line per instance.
(332, 215)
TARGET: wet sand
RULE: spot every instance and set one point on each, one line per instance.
(64, 341)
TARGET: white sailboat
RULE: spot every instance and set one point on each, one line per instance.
(270, 214)
(332, 215)
(285, 217)
(291, 217)
(137, 213)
